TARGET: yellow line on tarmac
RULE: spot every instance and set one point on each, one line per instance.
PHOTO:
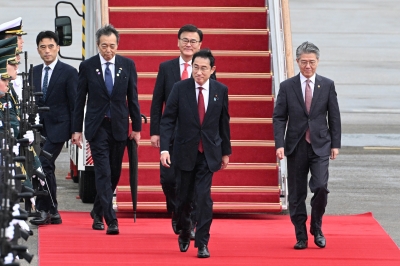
(381, 148)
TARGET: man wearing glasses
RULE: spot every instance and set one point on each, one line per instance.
(307, 131)
(170, 72)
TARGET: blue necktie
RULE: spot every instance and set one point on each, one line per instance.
(45, 82)
(108, 79)
(109, 84)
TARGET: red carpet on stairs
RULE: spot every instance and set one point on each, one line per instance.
(258, 240)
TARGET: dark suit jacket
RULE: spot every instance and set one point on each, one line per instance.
(123, 101)
(215, 133)
(60, 97)
(323, 120)
(168, 75)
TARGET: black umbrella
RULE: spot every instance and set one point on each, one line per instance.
(133, 169)
(133, 172)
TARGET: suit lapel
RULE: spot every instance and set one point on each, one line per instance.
(211, 103)
(98, 72)
(118, 69)
(316, 93)
(192, 101)
(299, 93)
(176, 70)
(53, 79)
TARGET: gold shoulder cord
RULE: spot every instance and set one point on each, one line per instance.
(15, 104)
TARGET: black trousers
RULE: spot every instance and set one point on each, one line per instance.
(45, 203)
(300, 162)
(107, 154)
(196, 184)
(169, 179)
(168, 183)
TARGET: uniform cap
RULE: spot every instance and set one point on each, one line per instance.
(13, 41)
(12, 27)
(9, 54)
(3, 70)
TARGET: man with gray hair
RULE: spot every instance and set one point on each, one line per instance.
(110, 83)
(307, 109)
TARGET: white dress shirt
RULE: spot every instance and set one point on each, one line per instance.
(111, 66)
(303, 81)
(205, 92)
(182, 66)
(52, 66)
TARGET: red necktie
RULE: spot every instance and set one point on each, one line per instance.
(185, 74)
(308, 99)
(202, 110)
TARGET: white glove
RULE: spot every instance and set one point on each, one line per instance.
(29, 135)
(16, 149)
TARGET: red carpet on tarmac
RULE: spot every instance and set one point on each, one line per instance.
(261, 240)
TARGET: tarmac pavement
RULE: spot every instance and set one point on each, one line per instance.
(359, 51)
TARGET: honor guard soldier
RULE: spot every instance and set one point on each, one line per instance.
(4, 80)
(12, 29)
(9, 56)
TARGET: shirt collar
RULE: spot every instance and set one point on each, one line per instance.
(103, 61)
(52, 65)
(303, 79)
(205, 86)
(181, 61)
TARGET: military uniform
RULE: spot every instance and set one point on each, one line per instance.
(13, 29)
(9, 54)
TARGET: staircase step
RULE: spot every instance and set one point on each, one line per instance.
(202, 17)
(223, 197)
(242, 128)
(242, 152)
(226, 61)
(239, 174)
(211, 3)
(257, 106)
(238, 83)
(219, 39)
(218, 207)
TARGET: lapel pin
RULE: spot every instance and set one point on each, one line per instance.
(319, 86)
(215, 97)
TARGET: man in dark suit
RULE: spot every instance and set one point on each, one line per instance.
(170, 72)
(307, 109)
(201, 146)
(58, 82)
(110, 83)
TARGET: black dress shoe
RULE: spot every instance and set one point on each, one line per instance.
(184, 240)
(319, 238)
(301, 244)
(203, 252)
(174, 222)
(97, 221)
(56, 219)
(45, 218)
(112, 228)
(192, 234)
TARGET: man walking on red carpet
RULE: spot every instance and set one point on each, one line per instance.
(170, 72)
(109, 82)
(199, 106)
(307, 109)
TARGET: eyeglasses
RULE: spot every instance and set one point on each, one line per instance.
(202, 69)
(43, 46)
(186, 41)
(305, 63)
